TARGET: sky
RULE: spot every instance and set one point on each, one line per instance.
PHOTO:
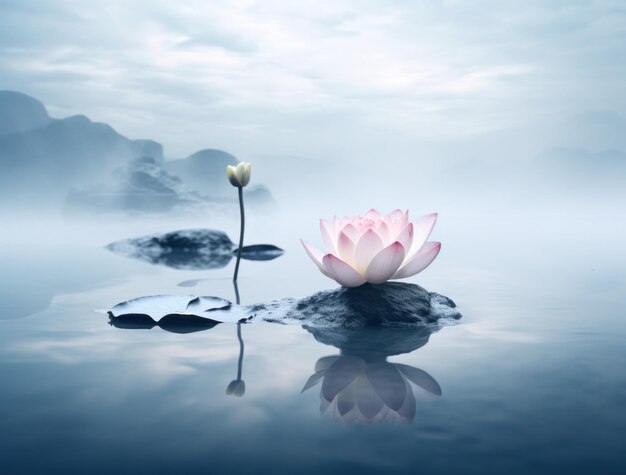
(350, 79)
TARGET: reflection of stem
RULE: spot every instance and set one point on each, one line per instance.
(237, 300)
(240, 364)
(241, 230)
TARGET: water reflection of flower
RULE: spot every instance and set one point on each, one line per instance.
(357, 391)
(360, 385)
(237, 387)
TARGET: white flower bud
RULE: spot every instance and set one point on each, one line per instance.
(239, 176)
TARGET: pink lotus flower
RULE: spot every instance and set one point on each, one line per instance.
(375, 248)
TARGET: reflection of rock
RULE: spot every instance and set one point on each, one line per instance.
(190, 249)
(373, 343)
(359, 385)
(389, 304)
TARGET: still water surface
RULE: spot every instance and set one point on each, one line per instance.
(531, 380)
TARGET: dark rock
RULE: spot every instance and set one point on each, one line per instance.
(389, 304)
(392, 303)
(188, 249)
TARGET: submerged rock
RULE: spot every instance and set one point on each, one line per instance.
(191, 249)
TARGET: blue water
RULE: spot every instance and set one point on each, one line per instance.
(532, 378)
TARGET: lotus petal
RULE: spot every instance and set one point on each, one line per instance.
(407, 411)
(419, 262)
(341, 271)
(372, 214)
(346, 399)
(388, 384)
(368, 245)
(313, 380)
(385, 264)
(422, 228)
(351, 231)
(316, 256)
(327, 235)
(340, 374)
(345, 248)
(420, 378)
(325, 362)
(367, 400)
(405, 237)
(382, 229)
(395, 215)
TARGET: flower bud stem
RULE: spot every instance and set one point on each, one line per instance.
(241, 231)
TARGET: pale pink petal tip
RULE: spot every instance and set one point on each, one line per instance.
(343, 273)
(315, 254)
(420, 261)
(385, 264)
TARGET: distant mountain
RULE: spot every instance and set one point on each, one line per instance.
(607, 166)
(58, 154)
(204, 170)
(69, 149)
(143, 186)
(140, 186)
(89, 166)
(19, 112)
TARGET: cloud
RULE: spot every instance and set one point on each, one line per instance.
(284, 77)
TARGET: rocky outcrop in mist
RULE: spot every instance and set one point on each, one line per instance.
(89, 166)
